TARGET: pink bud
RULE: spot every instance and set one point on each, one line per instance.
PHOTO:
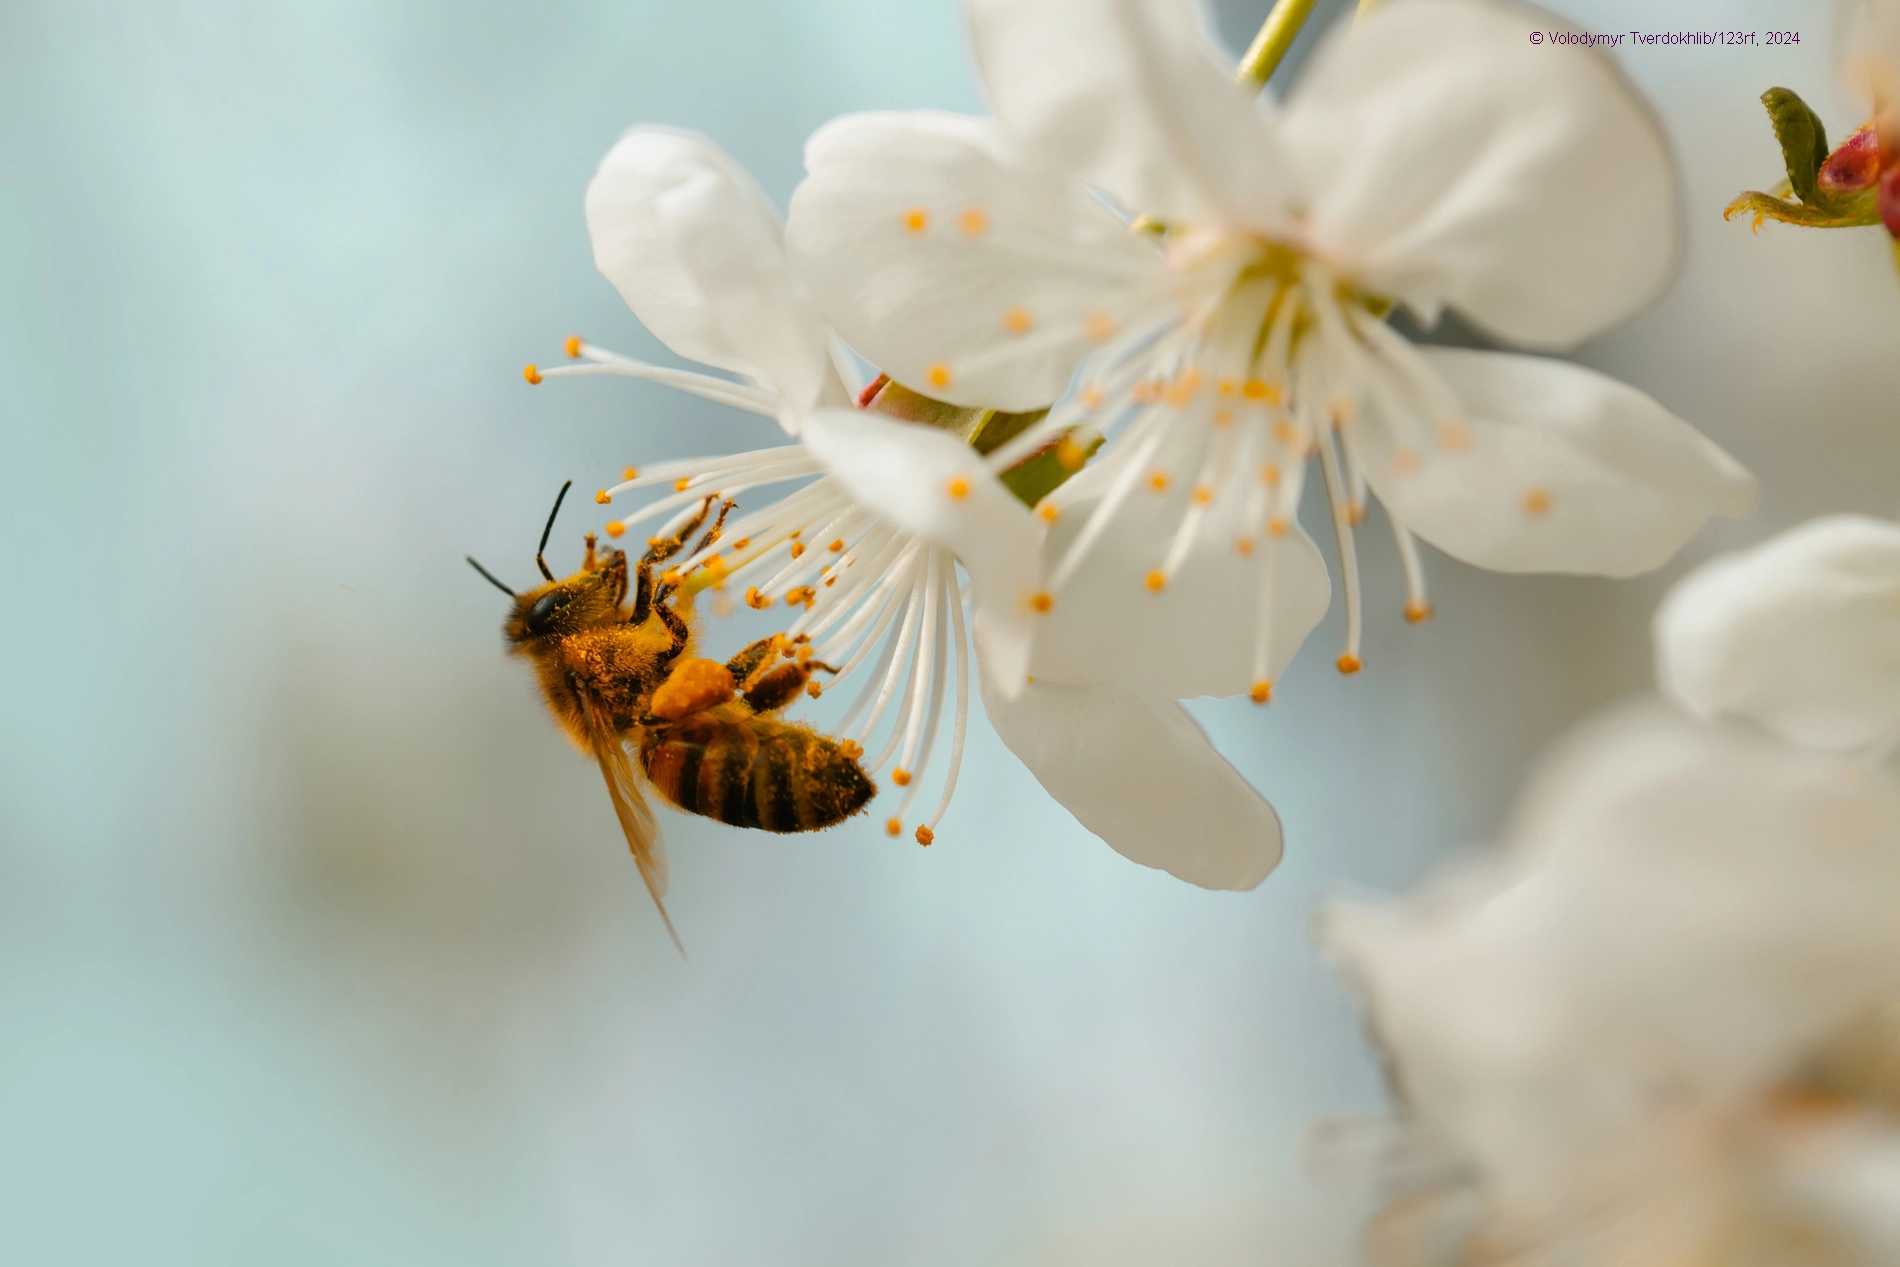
(1854, 165)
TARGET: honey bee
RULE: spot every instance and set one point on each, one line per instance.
(620, 678)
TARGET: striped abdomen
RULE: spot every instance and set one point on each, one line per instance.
(754, 771)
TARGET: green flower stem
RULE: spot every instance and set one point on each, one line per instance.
(1276, 36)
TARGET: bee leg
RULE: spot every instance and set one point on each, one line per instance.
(712, 533)
(588, 564)
(642, 592)
(676, 627)
(748, 661)
(779, 687)
(660, 549)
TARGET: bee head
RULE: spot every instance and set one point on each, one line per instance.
(587, 598)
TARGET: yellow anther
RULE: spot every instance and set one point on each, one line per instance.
(756, 600)
(1041, 601)
(1287, 434)
(916, 220)
(532, 374)
(973, 220)
(813, 689)
(1070, 454)
(1146, 392)
(1260, 389)
(1536, 501)
(1405, 460)
(958, 487)
(1417, 611)
(837, 546)
(1158, 480)
(1049, 512)
(938, 374)
(1262, 692)
(1155, 581)
(798, 548)
(894, 827)
(1091, 397)
(1098, 326)
(615, 528)
(1270, 475)
(1355, 513)
(925, 835)
(900, 776)
(850, 750)
(715, 566)
(671, 578)
(683, 483)
(630, 473)
(1018, 321)
(1349, 664)
(1203, 495)
(603, 498)
(1276, 527)
(1454, 434)
(572, 347)
(1243, 546)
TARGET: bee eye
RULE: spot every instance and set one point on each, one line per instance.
(544, 610)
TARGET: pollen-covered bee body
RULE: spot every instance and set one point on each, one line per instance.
(732, 764)
(621, 679)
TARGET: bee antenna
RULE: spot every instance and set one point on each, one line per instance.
(549, 530)
(490, 576)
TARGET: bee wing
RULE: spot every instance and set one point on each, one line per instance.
(636, 818)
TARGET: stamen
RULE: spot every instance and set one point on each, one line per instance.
(602, 498)
(938, 374)
(959, 487)
(615, 528)
(572, 347)
(1041, 602)
(901, 777)
(1156, 581)
(916, 220)
(894, 827)
(1048, 512)
(1417, 607)
(1348, 557)
(1262, 692)
(532, 374)
(925, 835)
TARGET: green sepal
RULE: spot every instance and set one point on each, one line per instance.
(1803, 142)
(1859, 210)
(1044, 471)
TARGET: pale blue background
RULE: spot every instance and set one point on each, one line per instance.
(317, 944)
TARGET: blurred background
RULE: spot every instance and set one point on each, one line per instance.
(318, 944)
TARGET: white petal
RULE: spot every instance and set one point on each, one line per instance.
(695, 249)
(1566, 470)
(1454, 162)
(1141, 774)
(1197, 635)
(1800, 634)
(930, 483)
(1682, 907)
(955, 267)
(1131, 96)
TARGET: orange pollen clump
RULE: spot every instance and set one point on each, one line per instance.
(1261, 692)
(1155, 581)
(894, 827)
(532, 374)
(1041, 601)
(1049, 512)
(1405, 460)
(798, 548)
(803, 594)
(916, 220)
(671, 578)
(693, 685)
(742, 543)
(1260, 389)
(1070, 455)
(1349, 664)
(1018, 320)
(1203, 496)
(925, 835)
(938, 374)
(630, 473)
(572, 347)
(850, 750)
(1098, 326)
(1158, 481)
(1454, 434)
(615, 528)
(1417, 611)
(973, 220)
(813, 689)
(681, 484)
(756, 600)
(1536, 501)
(837, 546)
(900, 776)
(603, 498)
(1243, 545)
(716, 565)
(959, 488)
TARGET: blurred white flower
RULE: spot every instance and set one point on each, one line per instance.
(867, 544)
(1660, 1027)
(1800, 634)
(1433, 158)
